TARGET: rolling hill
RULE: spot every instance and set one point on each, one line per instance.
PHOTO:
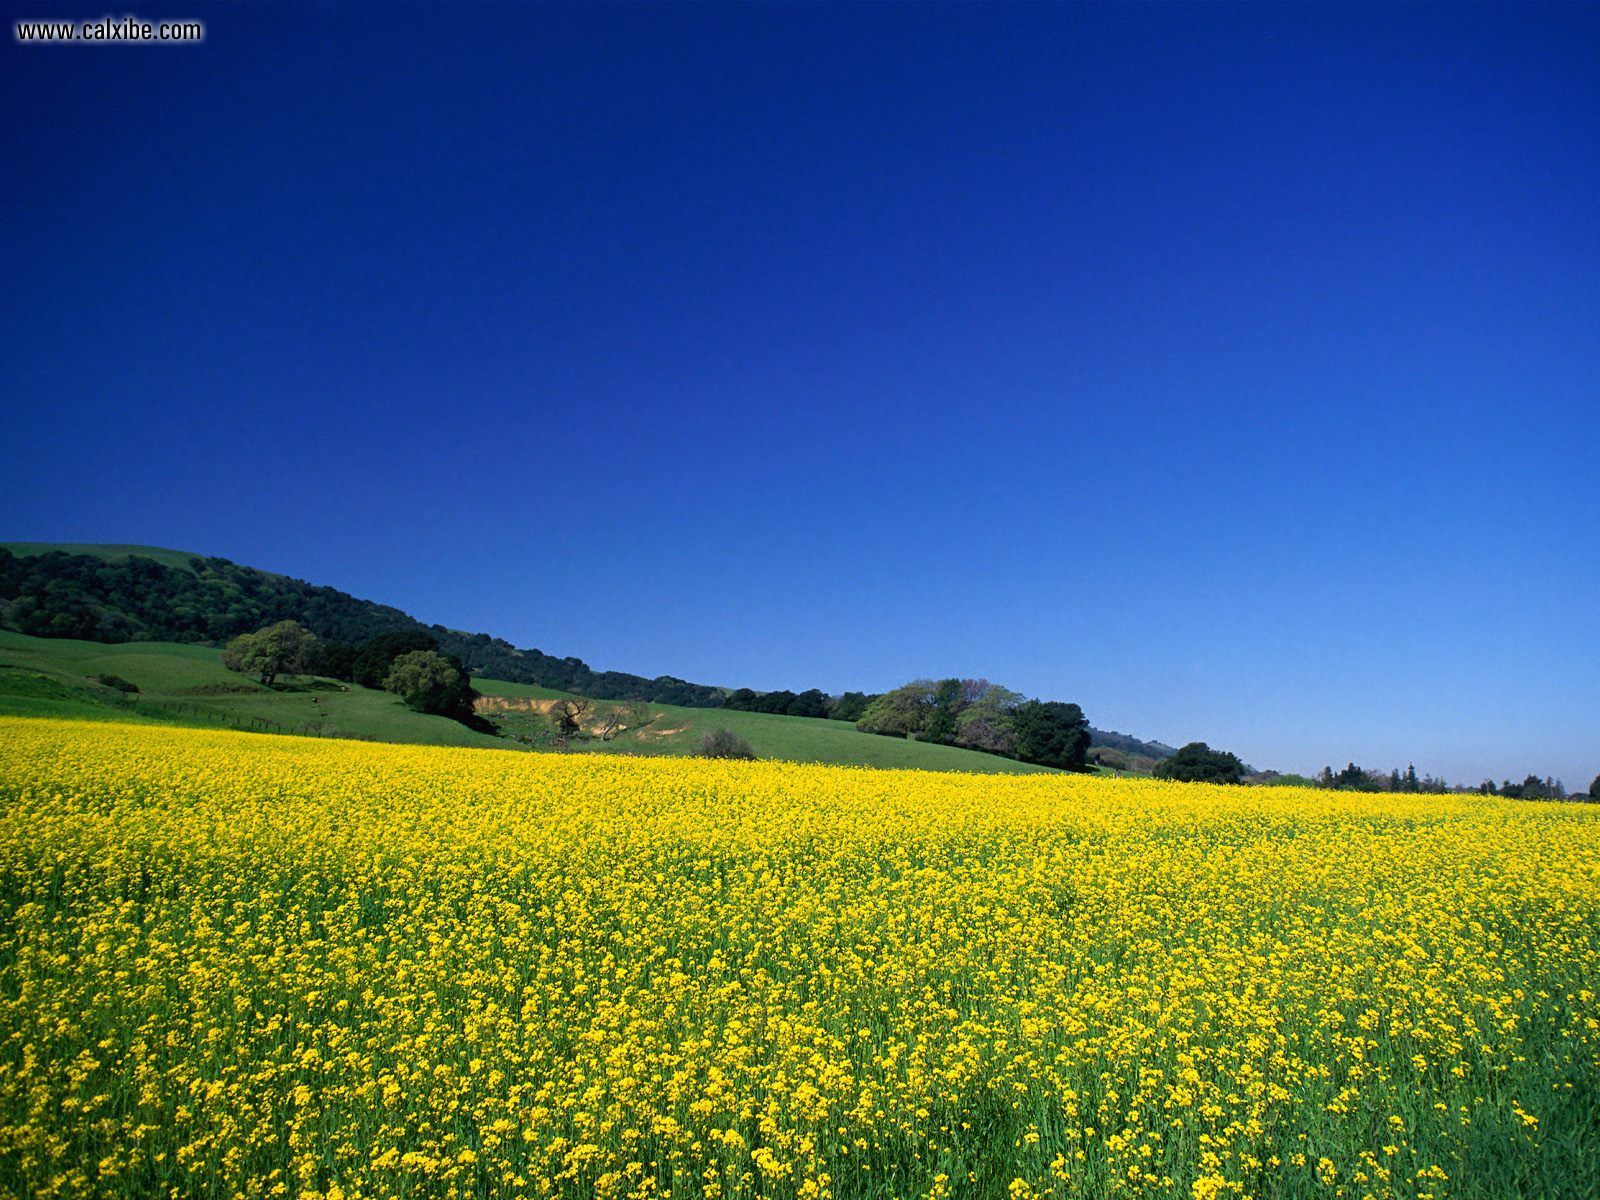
(188, 685)
(158, 608)
(120, 593)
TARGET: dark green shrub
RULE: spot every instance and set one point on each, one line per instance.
(724, 743)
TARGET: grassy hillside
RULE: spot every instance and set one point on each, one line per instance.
(521, 712)
(188, 685)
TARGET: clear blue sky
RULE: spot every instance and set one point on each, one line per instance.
(1233, 371)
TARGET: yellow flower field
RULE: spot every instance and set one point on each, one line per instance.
(240, 965)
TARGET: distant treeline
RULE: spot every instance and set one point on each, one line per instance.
(133, 598)
(853, 706)
(1534, 788)
(1358, 779)
(812, 703)
(1352, 778)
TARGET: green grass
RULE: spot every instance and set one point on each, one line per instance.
(674, 730)
(502, 687)
(188, 685)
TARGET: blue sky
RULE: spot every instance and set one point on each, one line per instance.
(1233, 371)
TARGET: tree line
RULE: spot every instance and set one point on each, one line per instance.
(1534, 788)
(1352, 778)
(410, 665)
(813, 702)
(973, 714)
(977, 714)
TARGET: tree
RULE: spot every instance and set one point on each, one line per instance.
(336, 660)
(978, 715)
(1351, 779)
(903, 712)
(724, 743)
(812, 703)
(1199, 763)
(276, 650)
(430, 682)
(623, 717)
(376, 655)
(940, 725)
(849, 706)
(932, 711)
(1594, 789)
(568, 716)
(987, 721)
(1051, 733)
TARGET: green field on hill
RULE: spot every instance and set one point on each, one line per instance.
(188, 685)
(669, 729)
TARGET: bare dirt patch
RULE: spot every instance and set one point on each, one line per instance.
(490, 704)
